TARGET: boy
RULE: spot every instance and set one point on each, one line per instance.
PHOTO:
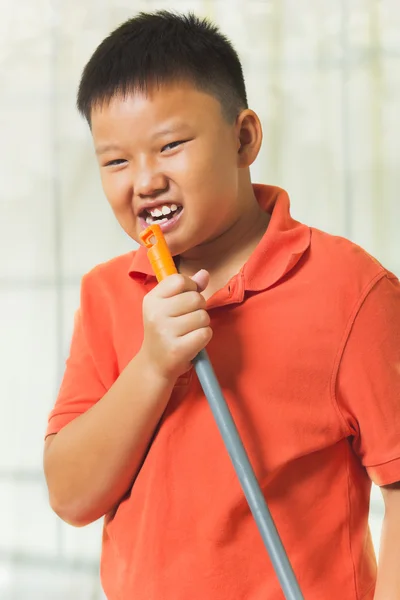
(303, 330)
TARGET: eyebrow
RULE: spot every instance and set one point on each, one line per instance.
(103, 148)
(170, 129)
(173, 128)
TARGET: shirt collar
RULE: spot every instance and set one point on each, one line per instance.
(140, 266)
(280, 249)
(282, 245)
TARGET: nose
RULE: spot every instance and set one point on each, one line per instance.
(149, 180)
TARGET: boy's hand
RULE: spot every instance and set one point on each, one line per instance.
(176, 324)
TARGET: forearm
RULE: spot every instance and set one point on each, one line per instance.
(92, 462)
(388, 582)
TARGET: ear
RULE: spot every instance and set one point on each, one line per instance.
(249, 137)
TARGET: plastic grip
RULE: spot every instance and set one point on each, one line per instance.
(158, 252)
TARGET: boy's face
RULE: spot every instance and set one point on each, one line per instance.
(173, 153)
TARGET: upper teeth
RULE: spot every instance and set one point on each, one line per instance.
(164, 210)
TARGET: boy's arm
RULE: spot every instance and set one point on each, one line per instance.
(368, 395)
(388, 582)
(92, 462)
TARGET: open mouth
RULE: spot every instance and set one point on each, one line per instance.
(162, 214)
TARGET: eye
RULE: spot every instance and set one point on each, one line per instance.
(115, 163)
(172, 145)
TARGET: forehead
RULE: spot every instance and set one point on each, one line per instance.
(167, 106)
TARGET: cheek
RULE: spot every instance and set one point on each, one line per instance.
(218, 177)
(209, 169)
(118, 190)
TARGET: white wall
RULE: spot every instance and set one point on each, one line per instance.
(324, 77)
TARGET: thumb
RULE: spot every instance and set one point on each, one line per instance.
(202, 279)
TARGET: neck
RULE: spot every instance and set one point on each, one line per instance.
(225, 255)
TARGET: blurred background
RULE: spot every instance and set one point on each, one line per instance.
(325, 79)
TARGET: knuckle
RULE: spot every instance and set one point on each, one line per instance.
(205, 334)
(196, 300)
(179, 283)
(204, 318)
(173, 284)
(149, 303)
(201, 301)
(150, 313)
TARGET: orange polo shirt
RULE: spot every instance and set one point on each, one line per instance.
(306, 347)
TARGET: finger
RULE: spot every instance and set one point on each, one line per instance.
(196, 340)
(191, 322)
(175, 284)
(202, 279)
(184, 303)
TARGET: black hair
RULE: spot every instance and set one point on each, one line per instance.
(161, 48)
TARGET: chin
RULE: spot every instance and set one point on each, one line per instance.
(177, 244)
(177, 249)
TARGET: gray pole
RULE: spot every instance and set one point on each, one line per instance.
(247, 478)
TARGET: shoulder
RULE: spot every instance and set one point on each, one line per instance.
(108, 286)
(110, 271)
(343, 264)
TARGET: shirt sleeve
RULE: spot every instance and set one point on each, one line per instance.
(368, 381)
(86, 377)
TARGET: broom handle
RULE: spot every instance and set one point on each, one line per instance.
(163, 266)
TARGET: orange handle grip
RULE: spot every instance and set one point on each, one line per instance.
(158, 252)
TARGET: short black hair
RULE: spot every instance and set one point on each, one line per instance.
(160, 48)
